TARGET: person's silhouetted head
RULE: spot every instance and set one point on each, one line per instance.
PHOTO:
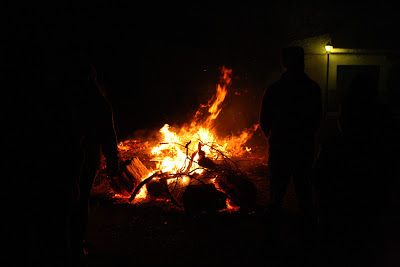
(293, 58)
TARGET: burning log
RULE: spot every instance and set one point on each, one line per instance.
(126, 181)
(203, 198)
(204, 161)
(117, 187)
(158, 188)
(136, 170)
(141, 184)
(131, 173)
(240, 189)
(231, 180)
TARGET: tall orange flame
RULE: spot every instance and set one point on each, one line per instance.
(215, 104)
(171, 154)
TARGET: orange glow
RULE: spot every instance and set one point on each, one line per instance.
(230, 206)
(123, 147)
(141, 195)
(121, 196)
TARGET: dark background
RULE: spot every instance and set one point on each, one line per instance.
(158, 62)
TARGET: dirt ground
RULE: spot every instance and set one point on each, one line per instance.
(158, 233)
(152, 234)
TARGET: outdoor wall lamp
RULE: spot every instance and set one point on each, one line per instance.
(328, 47)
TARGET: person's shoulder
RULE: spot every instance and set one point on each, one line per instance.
(274, 86)
(311, 81)
(271, 90)
(313, 85)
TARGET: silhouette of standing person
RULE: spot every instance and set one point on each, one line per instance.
(354, 176)
(290, 116)
(99, 137)
(44, 152)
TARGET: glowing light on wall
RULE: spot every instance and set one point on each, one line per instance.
(328, 47)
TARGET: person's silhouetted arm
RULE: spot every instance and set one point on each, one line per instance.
(318, 107)
(109, 140)
(266, 113)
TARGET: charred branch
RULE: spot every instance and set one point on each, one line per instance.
(203, 198)
(231, 182)
(141, 184)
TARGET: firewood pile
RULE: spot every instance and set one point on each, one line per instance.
(220, 184)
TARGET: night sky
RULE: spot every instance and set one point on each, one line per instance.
(160, 61)
(165, 61)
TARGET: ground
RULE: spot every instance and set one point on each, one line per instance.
(157, 232)
(152, 234)
(160, 234)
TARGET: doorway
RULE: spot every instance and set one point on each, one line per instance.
(348, 74)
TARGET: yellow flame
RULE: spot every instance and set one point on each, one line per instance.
(215, 105)
(172, 154)
(178, 145)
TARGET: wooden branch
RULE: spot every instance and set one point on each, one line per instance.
(141, 184)
(225, 170)
(174, 201)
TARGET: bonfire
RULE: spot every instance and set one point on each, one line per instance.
(191, 165)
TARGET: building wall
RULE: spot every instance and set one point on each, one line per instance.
(358, 60)
(316, 63)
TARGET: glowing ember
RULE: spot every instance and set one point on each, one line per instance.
(120, 196)
(231, 206)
